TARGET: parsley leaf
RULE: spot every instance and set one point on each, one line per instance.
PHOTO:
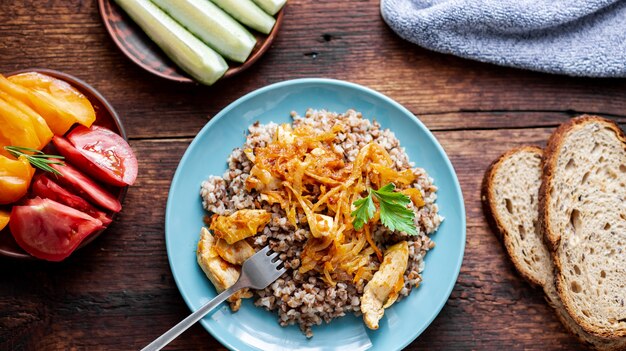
(364, 211)
(394, 213)
(388, 194)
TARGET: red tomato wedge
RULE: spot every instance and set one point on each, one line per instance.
(49, 230)
(86, 187)
(44, 187)
(78, 158)
(106, 155)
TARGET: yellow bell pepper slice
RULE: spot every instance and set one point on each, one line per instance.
(69, 102)
(15, 177)
(40, 126)
(4, 218)
(17, 128)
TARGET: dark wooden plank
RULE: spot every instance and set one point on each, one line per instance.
(331, 39)
(119, 293)
(470, 120)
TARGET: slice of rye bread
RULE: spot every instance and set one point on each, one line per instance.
(509, 197)
(582, 213)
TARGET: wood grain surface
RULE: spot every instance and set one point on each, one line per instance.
(118, 293)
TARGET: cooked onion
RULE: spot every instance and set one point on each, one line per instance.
(301, 170)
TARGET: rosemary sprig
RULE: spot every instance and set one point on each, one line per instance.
(38, 158)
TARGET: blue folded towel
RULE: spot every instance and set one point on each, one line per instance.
(573, 37)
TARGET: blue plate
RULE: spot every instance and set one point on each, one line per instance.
(253, 328)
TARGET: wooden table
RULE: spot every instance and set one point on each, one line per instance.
(118, 293)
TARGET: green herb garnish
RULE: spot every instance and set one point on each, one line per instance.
(394, 213)
(365, 210)
(38, 158)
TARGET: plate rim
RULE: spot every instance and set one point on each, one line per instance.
(331, 82)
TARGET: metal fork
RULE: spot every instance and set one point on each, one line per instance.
(257, 272)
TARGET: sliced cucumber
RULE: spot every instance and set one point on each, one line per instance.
(271, 6)
(187, 51)
(246, 12)
(212, 25)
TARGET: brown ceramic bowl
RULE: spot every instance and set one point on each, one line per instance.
(106, 117)
(138, 47)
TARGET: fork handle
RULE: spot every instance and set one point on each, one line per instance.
(183, 325)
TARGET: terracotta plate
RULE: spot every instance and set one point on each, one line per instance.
(138, 47)
(106, 117)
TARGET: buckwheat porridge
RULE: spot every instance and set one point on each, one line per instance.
(337, 197)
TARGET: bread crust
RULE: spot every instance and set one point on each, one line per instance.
(552, 239)
(549, 288)
(615, 344)
(488, 203)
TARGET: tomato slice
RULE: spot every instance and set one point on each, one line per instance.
(44, 187)
(49, 230)
(39, 124)
(108, 157)
(109, 169)
(87, 188)
(58, 121)
(16, 127)
(75, 157)
(15, 177)
(70, 103)
(4, 218)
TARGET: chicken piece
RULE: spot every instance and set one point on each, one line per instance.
(221, 273)
(382, 291)
(236, 253)
(239, 225)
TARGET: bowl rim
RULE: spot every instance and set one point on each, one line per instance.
(332, 82)
(184, 77)
(83, 87)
